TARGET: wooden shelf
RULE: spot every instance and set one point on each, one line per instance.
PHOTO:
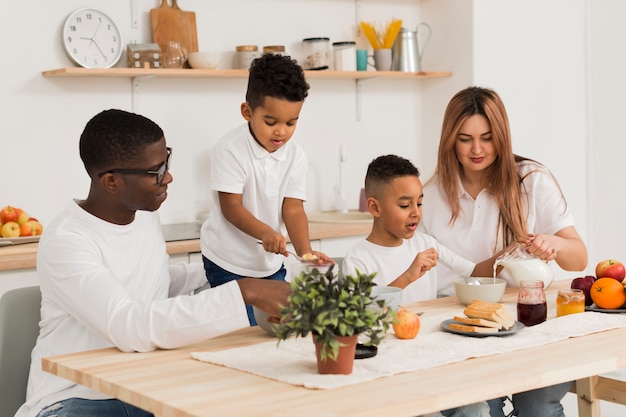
(202, 73)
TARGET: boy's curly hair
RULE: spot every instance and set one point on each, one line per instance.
(277, 76)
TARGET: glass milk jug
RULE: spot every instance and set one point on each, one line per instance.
(525, 267)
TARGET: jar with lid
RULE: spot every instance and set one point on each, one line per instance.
(316, 53)
(531, 303)
(244, 55)
(344, 56)
(274, 49)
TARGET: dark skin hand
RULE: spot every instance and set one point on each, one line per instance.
(265, 294)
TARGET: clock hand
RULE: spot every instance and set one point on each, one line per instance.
(100, 50)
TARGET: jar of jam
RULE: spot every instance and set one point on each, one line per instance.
(531, 303)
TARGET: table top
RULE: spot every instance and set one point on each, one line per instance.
(171, 383)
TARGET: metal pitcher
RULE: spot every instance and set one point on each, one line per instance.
(407, 51)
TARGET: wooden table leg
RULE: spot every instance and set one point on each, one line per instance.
(588, 402)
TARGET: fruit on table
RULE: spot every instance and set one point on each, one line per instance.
(611, 268)
(608, 293)
(9, 214)
(15, 222)
(31, 228)
(584, 283)
(10, 229)
(407, 324)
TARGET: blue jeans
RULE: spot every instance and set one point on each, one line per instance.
(218, 276)
(544, 402)
(80, 407)
(470, 410)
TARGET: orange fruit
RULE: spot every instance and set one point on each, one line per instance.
(608, 293)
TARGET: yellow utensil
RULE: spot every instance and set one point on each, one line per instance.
(370, 34)
(392, 32)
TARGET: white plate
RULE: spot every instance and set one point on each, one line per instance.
(593, 307)
(7, 241)
(445, 325)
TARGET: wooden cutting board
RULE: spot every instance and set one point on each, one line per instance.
(174, 24)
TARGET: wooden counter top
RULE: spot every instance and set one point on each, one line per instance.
(25, 256)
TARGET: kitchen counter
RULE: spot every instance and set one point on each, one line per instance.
(180, 238)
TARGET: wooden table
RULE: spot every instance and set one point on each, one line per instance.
(170, 383)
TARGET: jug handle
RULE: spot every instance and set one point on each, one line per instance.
(429, 31)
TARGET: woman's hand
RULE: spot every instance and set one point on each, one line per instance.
(542, 246)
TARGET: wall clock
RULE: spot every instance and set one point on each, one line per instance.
(92, 39)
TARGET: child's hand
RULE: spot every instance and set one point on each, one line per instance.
(322, 258)
(274, 242)
(425, 261)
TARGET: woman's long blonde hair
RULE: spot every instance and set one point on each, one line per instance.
(505, 183)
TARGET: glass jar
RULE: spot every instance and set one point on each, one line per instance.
(274, 49)
(344, 56)
(244, 55)
(175, 55)
(316, 53)
(570, 301)
(531, 303)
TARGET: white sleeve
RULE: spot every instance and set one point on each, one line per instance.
(453, 261)
(186, 277)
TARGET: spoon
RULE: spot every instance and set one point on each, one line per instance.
(312, 258)
(472, 281)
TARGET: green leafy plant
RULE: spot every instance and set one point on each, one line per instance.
(330, 305)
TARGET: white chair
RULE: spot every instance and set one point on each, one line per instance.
(19, 328)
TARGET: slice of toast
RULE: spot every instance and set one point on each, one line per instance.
(490, 311)
(477, 322)
(472, 329)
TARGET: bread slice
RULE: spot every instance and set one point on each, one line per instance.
(490, 311)
(472, 329)
(477, 322)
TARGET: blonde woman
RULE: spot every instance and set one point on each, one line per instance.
(483, 197)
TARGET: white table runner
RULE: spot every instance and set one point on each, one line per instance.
(293, 361)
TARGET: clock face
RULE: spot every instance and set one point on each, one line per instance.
(92, 39)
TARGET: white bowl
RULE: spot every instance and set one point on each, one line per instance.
(203, 60)
(391, 295)
(486, 291)
(261, 319)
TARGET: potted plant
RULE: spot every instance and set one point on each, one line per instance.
(333, 307)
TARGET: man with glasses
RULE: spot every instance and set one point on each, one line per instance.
(105, 275)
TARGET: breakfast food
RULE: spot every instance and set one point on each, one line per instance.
(307, 257)
(472, 329)
(483, 317)
(490, 311)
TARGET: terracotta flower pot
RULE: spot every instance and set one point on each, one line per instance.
(345, 358)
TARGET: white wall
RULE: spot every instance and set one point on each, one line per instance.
(555, 63)
(43, 117)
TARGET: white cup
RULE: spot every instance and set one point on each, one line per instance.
(382, 59)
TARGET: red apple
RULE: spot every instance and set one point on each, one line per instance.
(22, 217)
(10, 229)
(31, 228)
(407, 324)
(610, 268)
(8, 214)
(584, 283)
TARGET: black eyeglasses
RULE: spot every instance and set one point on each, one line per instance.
(159, 173)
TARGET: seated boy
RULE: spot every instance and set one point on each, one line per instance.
(401, 256)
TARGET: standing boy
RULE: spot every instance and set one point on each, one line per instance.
(400, 256)
(258, 181)
(105, 276)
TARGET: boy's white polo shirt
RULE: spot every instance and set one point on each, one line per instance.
(239, 165)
